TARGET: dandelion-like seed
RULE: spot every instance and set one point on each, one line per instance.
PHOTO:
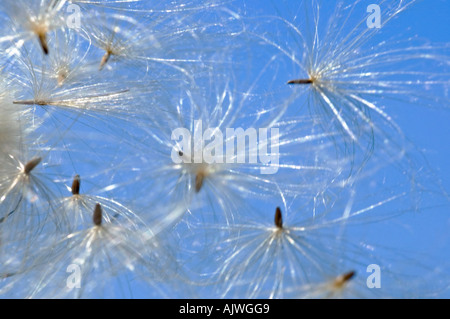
(69, 63)
(113, 34)
(75, 211)
(122, 38)
(337, 287)
(83, 97)
(210, 160)
(266, 261)
(30, 19)
(100, 253)
(344, 77)
(25, 201)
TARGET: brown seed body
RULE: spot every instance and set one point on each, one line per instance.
(342, 279)
(76, 185)
(301, 81)
(278, 218)
(105, 59)
(97, 218)
(31, 102)
(31, 165)
(43, 41)
(199, 181)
